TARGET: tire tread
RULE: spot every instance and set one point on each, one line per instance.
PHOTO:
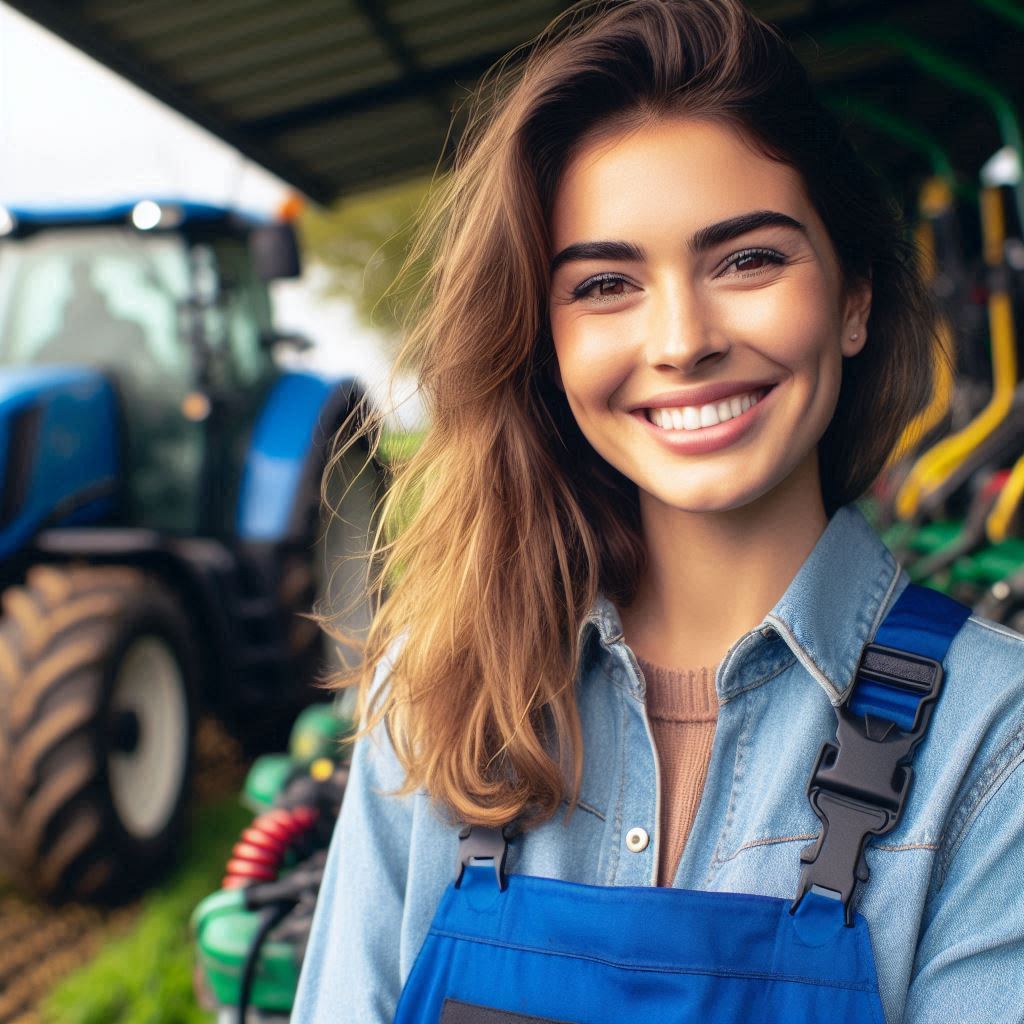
(56, 634)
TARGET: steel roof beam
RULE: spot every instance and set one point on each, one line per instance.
(406, 60)
(361, 102)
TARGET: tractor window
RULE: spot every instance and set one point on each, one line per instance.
(118, 300)
(100, 297)
(245, 306)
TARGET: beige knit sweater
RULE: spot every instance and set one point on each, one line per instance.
(682, 707)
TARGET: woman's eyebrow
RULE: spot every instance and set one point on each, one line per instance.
(701, 240)
(599, 251)
(733, 227)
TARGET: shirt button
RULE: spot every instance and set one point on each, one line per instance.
(637, 839)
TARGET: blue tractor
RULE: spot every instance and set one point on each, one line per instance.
(160, 526)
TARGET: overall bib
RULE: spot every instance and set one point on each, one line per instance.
(516, 949)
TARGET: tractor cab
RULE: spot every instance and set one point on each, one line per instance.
(171, 301)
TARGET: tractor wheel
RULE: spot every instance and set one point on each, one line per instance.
(98, 677)
(329, 573)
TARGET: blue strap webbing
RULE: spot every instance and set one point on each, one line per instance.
(923, 622)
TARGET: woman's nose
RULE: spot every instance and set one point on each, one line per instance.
(680, 332)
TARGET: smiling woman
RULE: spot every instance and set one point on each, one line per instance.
(705, 289)
(671, 299)
(673, 329)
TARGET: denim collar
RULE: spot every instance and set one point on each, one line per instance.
(829, 611)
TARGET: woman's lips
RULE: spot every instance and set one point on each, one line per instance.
(707, 439)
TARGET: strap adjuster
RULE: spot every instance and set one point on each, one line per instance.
(859, 784)
(913, 673)
(479, 843)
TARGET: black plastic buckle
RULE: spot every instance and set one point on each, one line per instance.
(479, 843)
(859, 784)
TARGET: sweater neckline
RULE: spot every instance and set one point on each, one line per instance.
(680, 694)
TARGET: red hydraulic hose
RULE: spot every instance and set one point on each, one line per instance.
(260, 852)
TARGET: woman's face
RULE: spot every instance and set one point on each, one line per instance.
(698, 313)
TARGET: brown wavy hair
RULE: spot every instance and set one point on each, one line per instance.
(510, 522)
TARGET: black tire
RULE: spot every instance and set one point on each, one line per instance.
(98, 682)
(329, 568)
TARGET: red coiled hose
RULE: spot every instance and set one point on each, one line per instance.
(259, 853)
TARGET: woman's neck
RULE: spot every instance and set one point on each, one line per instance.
(712, 576)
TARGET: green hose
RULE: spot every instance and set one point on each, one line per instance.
(898, 128)
(947, 70)
(1005, 9)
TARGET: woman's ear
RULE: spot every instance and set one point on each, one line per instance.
(855, 320)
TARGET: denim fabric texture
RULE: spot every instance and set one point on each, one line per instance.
(945, 901)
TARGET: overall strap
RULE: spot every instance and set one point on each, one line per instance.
(859, 784)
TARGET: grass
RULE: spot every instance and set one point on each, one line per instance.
(144, 976)
(396, 445)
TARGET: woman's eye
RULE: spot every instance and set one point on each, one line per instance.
(751, 262)
(606, 287)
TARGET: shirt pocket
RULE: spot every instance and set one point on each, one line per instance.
(768, 866)
(570, 847)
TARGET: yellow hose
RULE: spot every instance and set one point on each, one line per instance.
(997, 525)
(942, 395)
(934, 199)
(943, 458)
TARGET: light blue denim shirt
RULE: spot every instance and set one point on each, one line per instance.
(945, 901)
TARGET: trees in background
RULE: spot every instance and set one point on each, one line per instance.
(363, 241)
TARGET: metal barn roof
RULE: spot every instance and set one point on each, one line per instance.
(340, 95)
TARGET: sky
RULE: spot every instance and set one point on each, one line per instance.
(71, 131)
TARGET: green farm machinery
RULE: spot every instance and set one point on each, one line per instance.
(251, 934)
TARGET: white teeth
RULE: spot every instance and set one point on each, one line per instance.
(693, 417)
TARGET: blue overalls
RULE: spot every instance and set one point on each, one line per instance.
(515, 949)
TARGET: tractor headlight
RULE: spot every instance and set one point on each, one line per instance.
(147, 215)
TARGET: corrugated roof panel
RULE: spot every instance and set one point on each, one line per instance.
(154, 21)
(256, 32)
(418, 22)
(289, 51)
(363, 152)
(407, 12)
(109, 11)
(329, 70)
(374, 175)
(490, 29)
(388, 160)
(267, 95)
(410, 120)
(392, 161)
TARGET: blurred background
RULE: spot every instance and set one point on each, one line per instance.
(203, 206)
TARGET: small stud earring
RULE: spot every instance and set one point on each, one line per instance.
(854, 336)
